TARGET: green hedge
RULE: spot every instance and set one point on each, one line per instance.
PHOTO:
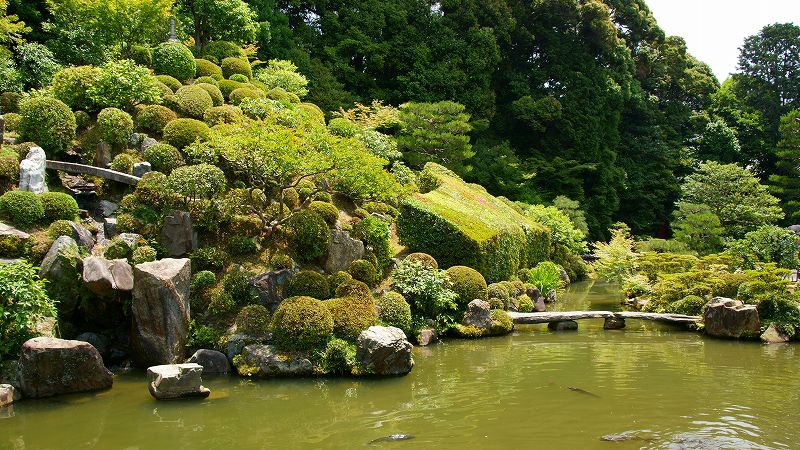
(462, 224)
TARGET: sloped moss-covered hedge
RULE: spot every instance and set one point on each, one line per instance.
(462, 224)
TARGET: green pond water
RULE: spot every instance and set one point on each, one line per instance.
(671, 388)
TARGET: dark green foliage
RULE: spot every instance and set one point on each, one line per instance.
(202, 280)
(325, 210)
(58, 205)
(223, 114)
(424, 258)
(353, 288)
(782, 310)
(206, 68)
(141, 55)
(351, 315)
(308, 235)
(784, 183)
(233, 65)
(175, 60)
(394, 311)
(242, 245)
(163, 157)
(21, 208)
(182, 132)
(339, 357)
(143, 254)
(691, 305)
(308, 283)
(435, 132)
(115, 126)
(337, 279)
(253, 320)
(499, 292)
(279, 262)
(202, 336)
(9, 102)
(374, 233)
(301, 323)
(363, 271)
(47, 122)
(236, 283)
(123, 163)
(468, 284)
(24, 302)
(153, 118)
(209, 258)
(36, 65)
(220, 302)
(117, 249)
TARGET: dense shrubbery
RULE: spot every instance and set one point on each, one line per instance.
(325, 210)
(374, 233)
(9, 168)
(153, 118)
(219, 50)
(223, 114)
(181, 132)
(427, 290)
(216, 95)
(58, 205)
(253, 320)
(301, 323)
(308, 235)
(25, 301)
(21, 208)
(123, 84)
(174, 59)
(206, 68)
(423, 258)
(70, 85)
(143, 254)
(616, 259)
(351, 315)
(193, 101)
(468, 284)
(363, 271)
(123, 163)
(283, 74)
(115, 126)
(47, 122)
(769, 243)
(394, 311)
(233, 65)
(308, 283)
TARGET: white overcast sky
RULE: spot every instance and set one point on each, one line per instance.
(715, 29)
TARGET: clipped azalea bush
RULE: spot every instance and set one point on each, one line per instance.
(206, 68)
(143, 254)
(307, 235)
(193, 101)
(58, 205)
(394, 310)
(351, 315)
(219, 50)
(115, 126)
(363, 271)
(301, 323)
(70, 85)
(47, 122)
(153, 118)
(234, 65)
(326, 210)
(238, 95)
(213, 91)
(253, 320)
(21, 208)
(123, 163)
(468, 284)
(174, 59)
(181, 132)
(223, 114)
(308, 283)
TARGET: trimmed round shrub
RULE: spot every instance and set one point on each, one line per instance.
(22, 208)
(280, 95)
(308, 283)
(213, 91)
(322, 196)
(47, 122)
(9, 167)
(220, 302)
(228, 86)
(280, 262)
(233, 65)
(301, 323)
(238, 95)
(12, 121)
(499, 292)
(394, 310)
(153, 118)
(163, 157)
(326, 210)
(242, 245)
(174, 59)
(206, 68)
(525, 303)
(143, 254)
(691, 305)
(468, 284)
(207, 80)
(424, 258)
(223, 114)
(239, 77)
(308, 235)
(363, 271)
(69, 85)
(351, 316)
(59, 228)
(181, 132)
(291, 198)
(9, 102)
(495, 303)
(58, 206)
(236, 283)
(115, 126)
(253, 320)
(193, 101)
(141, 55)
(202, 280)
(117, 249)
(165, 90)
(123, 163)
(197, 181)
(171, 82)
(353, 288)
(337, 279)
(340, 126)
(219, 50)
(339, 357)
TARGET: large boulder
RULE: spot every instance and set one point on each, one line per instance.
(31, 171)
(177, 235)
(213, 362)
(103, 276)
(50, 366)
(385, 351)
(62, 267)
(141, 168)
(238, 341)
(264, 361)
(774, 335)
(427, 336)
(478, 315)
(342, 251)
(160, 311)
(725, 317)
(171, 381)
(268, 286)
(82, 236)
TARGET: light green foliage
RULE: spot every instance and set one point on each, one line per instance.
(9, 167)
(219, 50)
(175, 60)
(307, 235)
(283, 74)
(58, 206)
(227, 114)
(342, 127)
(12, 121)
(197, 182)
(375, 235)
(123, 84)
(21, 208)
(143, 254)
(326, 210)
(363, 271)
(239, 95)
(153, 118)
(616, 259)
(691, 305)
(423, 258)
(351, 315)
(339, 357)
(182, 132)
(70, 85)
(171, 82)
(698, 227)
(718, 143)
(308, 283)
(253, 320)
(206, 68)
(231, 66)
(497, 291)
(123, 163)
(662, 246)
(241, 78)
(202, 280)
(435, 132)
(379, 144)
(734, 195)
(59, 228)
(208, 80)
(563, 231)
(394, 311)
(282, 96)
(301, 323)
(634, 286)
(25, 301)
(653, 264)
(118, 249)
(337, 279)
(220, 302)
(544, 276)
(141, 55)
(767, 244)
(468, 284)
(228, 86)
(11, 28)
(218, 21)
(427, 290)
(525, 304)
(115, 126)
(353, 288)
(256, 107)
(462, 224)
(36, 65)
(213, 91)
(193, 101)
(47, 122)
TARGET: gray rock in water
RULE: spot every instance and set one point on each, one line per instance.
(342, 251)
(478, 315)
(774, 335)
(614, 323)
(562, 274)
(563, 325)
(213, 362)
(160, 311)
(102, 154)
(427, 336)
(107, 208)
(725, 317)
(264, 361)
(141, 168)
(172, 381)
(237, 342)
(268, 286)
(385, 351)
(63, 267)
(177, 235)
(32, 171)
(8, 395)
(50, 366)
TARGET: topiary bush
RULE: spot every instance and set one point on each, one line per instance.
(502, 323)
(209, 258)
(143, 254)
(171, 82)
(280, 262)
(182, 132)
(163, 157)
(141, 55)
(291, 198)
(193, 100)
(468, 284)
(223, 114)
(202, 280)
(123, 84)
(394, 311)
(691, 305)
(525, 304)
(70, 85)
(307, 235)
(206, 68)
(301, 323)
(219, 50)
(374, 233)
(220, 302)
(363, 271)
(153, 118)
(9, 168)
(123, 163)
(280, 95)
(253, 320)
(47, 122)
(239, 77)
(240, 94)
(322, 197)
(9, 102)
(308, 283)
(233, 65)
(213, 91)
(117, 249)
(351, 315)
(353, 288)
(424, 258)
(325, 210)
(21, 208)
(58, 206)
(339, 357)
(337, 279)
(207, 80)
(499, 292)
(174, 59)
(115, 126)
(228, 86)
(12, 121)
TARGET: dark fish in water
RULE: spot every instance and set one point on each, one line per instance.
(623, 437)
(581, 391)
(392, 438)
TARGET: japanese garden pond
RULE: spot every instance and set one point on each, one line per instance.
(666, 387)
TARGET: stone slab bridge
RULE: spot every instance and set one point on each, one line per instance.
(84, 169)
(613, 320)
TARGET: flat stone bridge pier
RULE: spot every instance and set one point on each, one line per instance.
(613, 320)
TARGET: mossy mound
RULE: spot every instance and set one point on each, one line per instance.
(468, 284)
(394, 310)
(462, 224)
(308, 283)
(351, 315)
(301, 323)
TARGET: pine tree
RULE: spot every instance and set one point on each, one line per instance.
(785, 183)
